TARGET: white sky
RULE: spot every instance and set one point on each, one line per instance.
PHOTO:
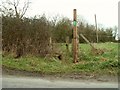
(106, 10)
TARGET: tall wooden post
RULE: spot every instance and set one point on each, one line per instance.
(96, 28)
(75, 37)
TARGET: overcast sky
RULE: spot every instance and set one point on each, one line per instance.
(106, 10)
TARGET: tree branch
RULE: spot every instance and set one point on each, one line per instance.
(26, 5)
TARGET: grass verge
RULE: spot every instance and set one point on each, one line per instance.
(106, 63)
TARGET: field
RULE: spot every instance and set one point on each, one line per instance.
(105, 64)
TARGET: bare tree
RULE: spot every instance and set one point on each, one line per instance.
(15, 6)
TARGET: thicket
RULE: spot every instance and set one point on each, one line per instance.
(32, 35)
(25, 36)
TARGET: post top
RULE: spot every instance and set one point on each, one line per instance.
(74, 9)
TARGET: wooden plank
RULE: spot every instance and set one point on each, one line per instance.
(87, 40)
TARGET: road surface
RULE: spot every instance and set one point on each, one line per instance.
(37, 82)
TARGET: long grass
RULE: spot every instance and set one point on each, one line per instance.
(106, 63)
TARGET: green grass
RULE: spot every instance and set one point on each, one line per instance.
(36, 64)
(106, 63)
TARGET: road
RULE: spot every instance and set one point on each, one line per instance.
(36, 82)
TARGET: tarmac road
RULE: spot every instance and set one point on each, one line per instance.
(9, 81)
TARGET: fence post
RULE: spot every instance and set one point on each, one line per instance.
(75, 37)
(67, 44)
(96, 28)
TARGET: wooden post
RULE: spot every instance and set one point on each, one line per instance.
(96, 28)
(87, 41)
(50, 44)
(67, 43)
(50, 40)
(75, 37)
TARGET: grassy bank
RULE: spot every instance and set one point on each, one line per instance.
(106, 63)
